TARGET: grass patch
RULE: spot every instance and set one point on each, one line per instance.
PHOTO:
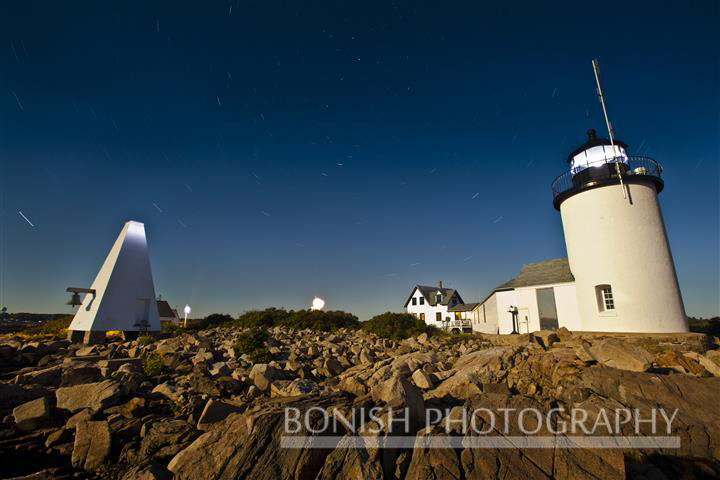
(50, 329)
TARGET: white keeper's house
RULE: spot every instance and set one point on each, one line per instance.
(619, 275)
(435, 306)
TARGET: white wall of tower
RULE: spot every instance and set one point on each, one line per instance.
(611, 240)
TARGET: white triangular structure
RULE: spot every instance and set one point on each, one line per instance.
(124, 291)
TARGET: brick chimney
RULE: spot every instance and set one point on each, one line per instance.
(440, 284)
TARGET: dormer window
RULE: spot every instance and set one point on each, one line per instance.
(438, 297)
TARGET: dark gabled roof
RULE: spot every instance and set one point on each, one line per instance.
(539, 273)
(593, 141)
(463, 307)
(164, 310)
(429, 294)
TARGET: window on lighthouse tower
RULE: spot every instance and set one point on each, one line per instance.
(605, 299)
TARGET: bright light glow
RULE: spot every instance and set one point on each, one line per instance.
(317, 304)
(136, 228)
(187, 310)
(597, 156)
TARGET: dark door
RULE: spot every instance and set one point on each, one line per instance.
(547, 308)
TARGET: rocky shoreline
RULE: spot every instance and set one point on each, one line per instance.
(207, 411)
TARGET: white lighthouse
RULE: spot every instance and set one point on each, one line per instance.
(616, 242)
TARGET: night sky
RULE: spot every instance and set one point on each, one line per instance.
(350, 150)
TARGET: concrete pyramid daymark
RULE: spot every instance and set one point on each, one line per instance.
(124, 291)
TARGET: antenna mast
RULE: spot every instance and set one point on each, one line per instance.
(596, 69)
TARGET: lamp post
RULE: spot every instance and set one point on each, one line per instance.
(187, 311)
(514, 311)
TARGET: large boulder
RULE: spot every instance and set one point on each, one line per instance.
(262, 375)
(696, 423)
(538, 463)
(32, 414)
(616, 353)
(294, 388)
(215, 411)
(48, 377)
(248, 445)
(164, 439)
(398, 392)
(80, 375)
(96, 396)
(422, 379)
(168, 391)
(349, 462)
(473, 371)
(92, 445)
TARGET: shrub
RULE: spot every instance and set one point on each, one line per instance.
(252, 344)
(708, 326)
(145, 340)
(211, 321)
(262, 318)
(397, 326)
(298, 319)
(171, 328)
(53, 328)
(153, 364)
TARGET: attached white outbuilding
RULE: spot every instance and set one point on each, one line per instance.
(542, 297)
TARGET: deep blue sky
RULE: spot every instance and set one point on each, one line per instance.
(277, 151)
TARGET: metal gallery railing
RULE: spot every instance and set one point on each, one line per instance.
(603, 171)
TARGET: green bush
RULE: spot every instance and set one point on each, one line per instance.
(397, 326)
(298, 319)
(211, 321)
(261, 318)
(708, 326)
(145, 340)
(171, 328)
(153, 364)
(252, 344)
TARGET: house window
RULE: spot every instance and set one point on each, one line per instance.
(458, 316)
(422, 300)
(438, 317)
(605, 299)
(422, 317)
(414, 301)
(438, 298)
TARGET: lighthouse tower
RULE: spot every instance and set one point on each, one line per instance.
(616, 242)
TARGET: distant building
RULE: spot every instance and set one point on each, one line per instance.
(167, 313)
(432, 305)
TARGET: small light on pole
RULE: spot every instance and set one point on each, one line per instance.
(187, 311)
